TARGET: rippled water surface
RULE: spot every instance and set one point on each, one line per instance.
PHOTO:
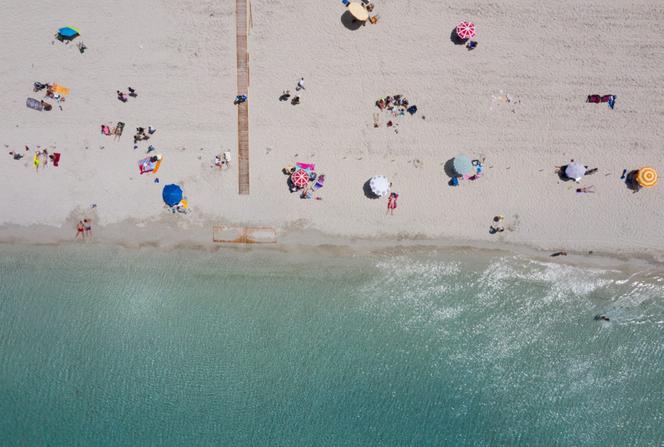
(106, 346)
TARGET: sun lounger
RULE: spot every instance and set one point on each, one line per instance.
(34, 104)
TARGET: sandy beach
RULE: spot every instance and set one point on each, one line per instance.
(517, 101)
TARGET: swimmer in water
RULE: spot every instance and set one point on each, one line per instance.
(601, 317)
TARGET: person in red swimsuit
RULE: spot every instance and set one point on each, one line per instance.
(392, 203)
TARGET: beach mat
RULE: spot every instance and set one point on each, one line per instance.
(34, 104)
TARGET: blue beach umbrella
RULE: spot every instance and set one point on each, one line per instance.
(68, 32)
(172, 194)
(462, 165)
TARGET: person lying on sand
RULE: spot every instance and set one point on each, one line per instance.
(585, 190)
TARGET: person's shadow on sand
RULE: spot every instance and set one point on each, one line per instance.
(349, 21)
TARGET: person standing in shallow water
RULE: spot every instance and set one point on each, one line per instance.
(80, 230)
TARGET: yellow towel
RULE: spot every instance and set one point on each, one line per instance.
(64, 91)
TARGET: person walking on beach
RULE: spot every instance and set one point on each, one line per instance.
(87, 225)
(80, 230)
(300, 85)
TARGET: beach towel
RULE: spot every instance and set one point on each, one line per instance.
(105, 129)
(118, 129)
(56, 159)
(55, 88)
(146, 165)
(595, 99)
(309, 166)
(32, 103)
(320, 181)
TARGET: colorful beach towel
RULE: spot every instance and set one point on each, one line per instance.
(309, 166)
(147, 165)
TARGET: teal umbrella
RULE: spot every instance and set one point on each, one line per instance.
(462, 165)
(68, 32)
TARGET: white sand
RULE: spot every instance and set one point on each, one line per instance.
(180, 56)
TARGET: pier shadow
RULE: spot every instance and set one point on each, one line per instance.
(350, 22)
(368, 193)
(456, 40)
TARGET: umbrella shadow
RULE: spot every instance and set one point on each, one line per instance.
(561, 174)
(350, 22)
(368, 192)
(449, 169)
(630, 181)
(456, 40)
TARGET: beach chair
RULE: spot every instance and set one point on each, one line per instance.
(56, 159)
(226, 157)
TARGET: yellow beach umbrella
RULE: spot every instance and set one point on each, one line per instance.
(359, 12)
(646, 177)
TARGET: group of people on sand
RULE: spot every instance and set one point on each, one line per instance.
(286, 94)
(50, 93)
(41, 158)
(124, 97)
(141, 134)
(397, 106)
(84, 228)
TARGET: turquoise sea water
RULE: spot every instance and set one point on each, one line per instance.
(118, 347)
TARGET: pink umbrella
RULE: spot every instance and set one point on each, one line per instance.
(300, 178)
(465, 30)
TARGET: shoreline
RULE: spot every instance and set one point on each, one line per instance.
(185, 235)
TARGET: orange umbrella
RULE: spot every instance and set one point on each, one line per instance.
(646, 177)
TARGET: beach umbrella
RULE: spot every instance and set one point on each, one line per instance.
(646, 177)
(300, 178)
(358, 11)
(575, 171)
(465, 30)
(462, 165)
(172, 194)
(69, 32)
(379, 185)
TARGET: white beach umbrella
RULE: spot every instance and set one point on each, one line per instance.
(575, 171)
(379, 185)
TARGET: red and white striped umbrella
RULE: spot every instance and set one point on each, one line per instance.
(300, 178)
(465, 30)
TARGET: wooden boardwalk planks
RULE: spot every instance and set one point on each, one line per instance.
(241, 26)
